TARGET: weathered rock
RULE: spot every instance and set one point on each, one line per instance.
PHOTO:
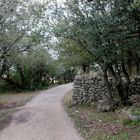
(135, 98)
(106, 105)
(130, 115)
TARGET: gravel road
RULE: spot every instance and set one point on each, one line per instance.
(43, 118)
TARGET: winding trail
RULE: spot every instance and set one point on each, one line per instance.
(43, 118)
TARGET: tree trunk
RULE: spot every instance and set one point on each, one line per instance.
(138, 66)
(129, 61)
(119, 86)
(127, 84)
(21, 74)
(107, 83)
(85, 68)
(125, 73)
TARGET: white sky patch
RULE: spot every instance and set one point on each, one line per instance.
(58, 1)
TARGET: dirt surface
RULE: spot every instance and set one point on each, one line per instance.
(43, 118)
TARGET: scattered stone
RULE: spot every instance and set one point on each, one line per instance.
(106, 105)
(131, 116)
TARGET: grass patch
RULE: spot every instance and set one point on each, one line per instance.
(9, 103)
(95, 125)
(128, 122)
(135, 111)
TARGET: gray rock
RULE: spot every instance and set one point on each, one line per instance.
(130, 115)
(106, 105)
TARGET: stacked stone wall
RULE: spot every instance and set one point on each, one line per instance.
(88, 89)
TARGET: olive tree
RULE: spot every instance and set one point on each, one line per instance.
(107, 32)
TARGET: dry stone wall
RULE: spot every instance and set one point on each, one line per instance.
(88, 89)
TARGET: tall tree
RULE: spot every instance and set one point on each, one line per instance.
(106, 31)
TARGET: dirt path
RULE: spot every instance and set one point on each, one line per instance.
(43, 118)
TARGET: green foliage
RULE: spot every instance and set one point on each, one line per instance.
(19, 29)
(31, 69)
(71, 55)
(65, 74)
(103, 33)
(83, 35)
(134, 5)
(4, 87)
(135, 111)
(131, 123)
(25, 62)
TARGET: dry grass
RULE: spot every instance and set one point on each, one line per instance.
(9, 103)
(67, 100)
(94, 125)
(19, 98)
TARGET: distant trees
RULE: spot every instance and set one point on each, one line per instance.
(71, 56)
(30, 70)
(65, 74)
